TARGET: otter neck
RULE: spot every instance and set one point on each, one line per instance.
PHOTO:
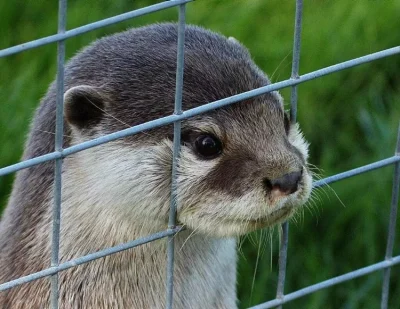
(87, 226)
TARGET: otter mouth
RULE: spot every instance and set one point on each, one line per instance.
(273, 218)
(228, 226)
(276, 216)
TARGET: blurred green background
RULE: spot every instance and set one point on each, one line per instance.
(350, 118)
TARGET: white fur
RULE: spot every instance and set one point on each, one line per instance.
(296, 138)
(118, 192)
(108, 198)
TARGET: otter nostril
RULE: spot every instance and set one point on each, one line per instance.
(287, 184)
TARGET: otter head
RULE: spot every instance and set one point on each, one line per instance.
(241, 167)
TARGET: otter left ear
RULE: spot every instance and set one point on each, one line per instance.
(83, 106)
(233, 40)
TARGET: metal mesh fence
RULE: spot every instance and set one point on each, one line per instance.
(176, 118)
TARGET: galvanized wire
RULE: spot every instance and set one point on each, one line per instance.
(176, 150)
(328, 283)
(357, 171)
(282, 260)
(90, 27)
(293, 115)
(176, 118)
(296, 59)
(88, 258)
(55, 246)
(392, 226)
(199, 110)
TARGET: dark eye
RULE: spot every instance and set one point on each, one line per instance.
(286, 122)
(208, 146)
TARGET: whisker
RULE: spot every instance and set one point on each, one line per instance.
(187, 238)
(115, 118)
(280, 63)
(255, 269)
(53, 133)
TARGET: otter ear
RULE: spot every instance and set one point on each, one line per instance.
(233, 40)
(84, 106)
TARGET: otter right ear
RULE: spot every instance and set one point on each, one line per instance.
(233, 40)
(83, 106)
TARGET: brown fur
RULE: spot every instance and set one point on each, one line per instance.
(120, 191)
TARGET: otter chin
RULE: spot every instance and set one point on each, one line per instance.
(241, 167)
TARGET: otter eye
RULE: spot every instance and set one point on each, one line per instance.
(286, 122)
(208, 146)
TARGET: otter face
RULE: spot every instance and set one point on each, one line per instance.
(241, 167)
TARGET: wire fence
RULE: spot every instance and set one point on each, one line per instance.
(176, 119)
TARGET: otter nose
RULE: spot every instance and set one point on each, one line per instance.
(287, 184)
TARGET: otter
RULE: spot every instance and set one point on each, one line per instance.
(241, 168)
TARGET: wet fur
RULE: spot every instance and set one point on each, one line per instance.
(120, 191)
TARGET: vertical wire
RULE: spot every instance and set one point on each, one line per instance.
(282, 260)
(176, 150)
(293, 115)
(392, 226)
(296, 60)
(62, 12)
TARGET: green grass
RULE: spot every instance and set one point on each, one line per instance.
(350, 119)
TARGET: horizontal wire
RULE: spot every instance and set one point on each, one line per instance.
(90, 257)
(197, 111)
(90, 27)
(356, 171)
(328, 283)
(184, 115)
